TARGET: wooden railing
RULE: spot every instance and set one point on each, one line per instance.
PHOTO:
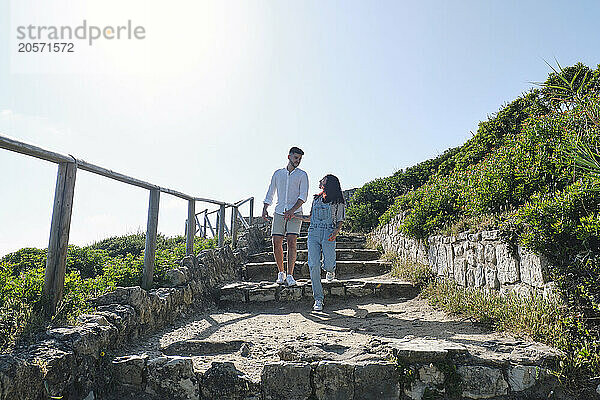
(63, 205)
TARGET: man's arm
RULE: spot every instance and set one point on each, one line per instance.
(289, 214)
(269, 197)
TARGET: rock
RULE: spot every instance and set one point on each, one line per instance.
(333, 380)
(223, 381)
(490, 235)
(490, 255)
(430, 375)
(376, 381)
(290, 293)
(295, 386)
(425, 350)
(262, 294)
(507, 265)
(176, 277)
(482, 382)
(172, 378)
(193, 347)
(129, 370)
(86, 340)
(522, 377)
(92, 319)
(534, 268)
(245, 350)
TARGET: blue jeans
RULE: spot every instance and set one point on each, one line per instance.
(318, 245)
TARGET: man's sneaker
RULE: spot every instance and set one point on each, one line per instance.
(280, 278)
(330, 276)
(318, 305)
(290, 281)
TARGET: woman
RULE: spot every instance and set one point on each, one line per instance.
(326, 217)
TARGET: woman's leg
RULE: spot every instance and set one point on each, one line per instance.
(328, 249)
(314, 262)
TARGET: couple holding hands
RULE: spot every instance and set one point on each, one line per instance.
(326, 216)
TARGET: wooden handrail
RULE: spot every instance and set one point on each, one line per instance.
(61, 214)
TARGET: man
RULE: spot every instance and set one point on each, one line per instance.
(291, 184)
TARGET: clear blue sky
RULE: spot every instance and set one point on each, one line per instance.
(211, 100)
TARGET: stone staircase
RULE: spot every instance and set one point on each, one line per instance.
(375, 339)
(359, 273)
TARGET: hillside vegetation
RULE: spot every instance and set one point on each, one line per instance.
(532, 171)
(90, 271)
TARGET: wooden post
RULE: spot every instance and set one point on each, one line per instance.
(221, 225)
(191, 228)
(234, 213)
(251, 211)
(150, 248)
(54, 279)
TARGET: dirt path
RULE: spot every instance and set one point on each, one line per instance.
(347, 329)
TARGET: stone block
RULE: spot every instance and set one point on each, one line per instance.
(176, 277)
(491, 278)
(480, 382)
(475, 237)
(339, 291)
(334, 381)
(359, 291)
(479, 276)
(490, 235)
(376, 381)
(420, 350)
(129, 370)
(225, 382)
(173, 378)
(460, 272)
(533, 268)
(261, 295)
(522, 377)
(470, 277)
(430, 375)
(290, 294)
(507, 265)
(490, 254)
(286, 381)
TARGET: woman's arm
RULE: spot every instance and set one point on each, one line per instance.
(336, 231)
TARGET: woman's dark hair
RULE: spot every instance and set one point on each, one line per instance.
(332, 190)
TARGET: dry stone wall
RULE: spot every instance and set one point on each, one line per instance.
(71, 362)
(481, 260)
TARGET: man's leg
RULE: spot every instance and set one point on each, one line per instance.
(291, 253)
(278, 251)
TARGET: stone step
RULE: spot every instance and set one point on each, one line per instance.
(338, 245)
(378, 287)
(388, 368)
(341, 255)
(344, 269)
(341, 238)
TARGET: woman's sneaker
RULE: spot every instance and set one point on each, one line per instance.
(280, 278)
(330, 276)
(290, 281)
(318, 305)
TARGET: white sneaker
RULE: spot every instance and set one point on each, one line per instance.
(280, 278)
(318, 305)
(330, 276)
(290, 281)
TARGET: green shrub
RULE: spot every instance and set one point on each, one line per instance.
(90, 271)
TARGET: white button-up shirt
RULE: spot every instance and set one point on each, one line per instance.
(290, 187)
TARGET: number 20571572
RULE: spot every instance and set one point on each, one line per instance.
(42, 47)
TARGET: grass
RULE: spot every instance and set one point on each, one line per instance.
(414, 272)
(546, 320)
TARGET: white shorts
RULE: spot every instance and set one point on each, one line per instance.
(281, 227)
